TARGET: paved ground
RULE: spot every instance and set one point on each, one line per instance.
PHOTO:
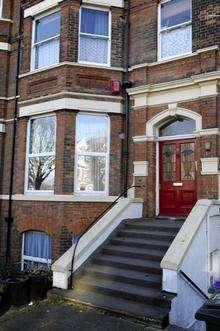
(64, 317)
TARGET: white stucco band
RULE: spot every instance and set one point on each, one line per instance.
(48, 4)
(176, 91)
(210, 166)
(72, 104)
(5, 47)
(140, 168)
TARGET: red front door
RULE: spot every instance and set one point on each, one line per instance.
(177, 177)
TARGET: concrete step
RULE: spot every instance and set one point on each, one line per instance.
(141, 243)
(128, 263)
(147, 234)
(134, 252)
(123, 275)
(126, 291)
(152, 316)
(165, 226)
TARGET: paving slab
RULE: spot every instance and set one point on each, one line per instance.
(64, 317)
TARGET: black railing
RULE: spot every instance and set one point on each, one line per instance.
(196, 287)
(93, 223)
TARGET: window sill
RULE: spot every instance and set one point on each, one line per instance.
(60, 198)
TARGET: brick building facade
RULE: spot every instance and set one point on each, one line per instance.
(67, 75)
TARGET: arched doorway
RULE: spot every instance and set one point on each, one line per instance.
(177, 167)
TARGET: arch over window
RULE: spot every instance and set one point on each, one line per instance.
(177, 126)
(36, 250)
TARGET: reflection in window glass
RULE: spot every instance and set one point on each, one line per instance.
(175, 12)
(177, 127)
(41, 156)
(92, 153)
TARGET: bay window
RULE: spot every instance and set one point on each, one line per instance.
(36, 250)
(92, 154)
(174, 28)
(40, 166)
(46, 41)
(94, 36)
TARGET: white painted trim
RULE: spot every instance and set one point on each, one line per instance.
(74, 64)
(3, 19)
(108, 64)
(41, 7)
(5, 47)
(105, 3)
(193, 88)
(210, 166)
(71, 104)
(1, 8)
(157, 188)
(162, 61)
(60, 198)
(107, 160)
(2, 128)
(202, 133)
(93, 238)
(140, 168)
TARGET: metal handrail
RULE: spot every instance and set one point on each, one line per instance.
(93, 223)
(196, 287)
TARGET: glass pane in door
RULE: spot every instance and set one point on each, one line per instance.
(188, 161)
(169, 162)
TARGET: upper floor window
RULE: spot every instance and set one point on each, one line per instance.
(46, 41)
(174, 28)
(92, 153)
(41, 154)
(36, 250)
(94, 38)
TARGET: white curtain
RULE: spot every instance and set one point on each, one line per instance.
(93, 49)
(47, 53)
(37, 244)
(176, 42)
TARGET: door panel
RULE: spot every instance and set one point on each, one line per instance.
(177, 177)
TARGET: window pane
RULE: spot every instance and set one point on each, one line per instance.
(188, 161)
(37, 244)
(47, 27)
(169, 162)
(175, 12)
(176, 42)
(94, 21)
(93, 49)
(177, 127)
(41, 173)
(91, 173)
(47, 53)
(92, 133)
(42, 135)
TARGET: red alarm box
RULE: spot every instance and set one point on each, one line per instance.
(115, 86)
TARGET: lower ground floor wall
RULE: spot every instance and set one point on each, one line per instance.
(62, 221)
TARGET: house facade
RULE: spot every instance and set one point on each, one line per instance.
(93, 74)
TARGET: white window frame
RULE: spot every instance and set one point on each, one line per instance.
(34, 45)
(160, 31)
(31, 258)
(28, 155)
(1, 8)
(108, 64)
(107, 161)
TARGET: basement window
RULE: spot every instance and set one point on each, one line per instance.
(36, 250)
(174, 28)
(40, 167)
(46, 41)
(92, 154)
(94, 36)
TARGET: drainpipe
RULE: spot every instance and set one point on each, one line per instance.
(9, 218)
(126, 84)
